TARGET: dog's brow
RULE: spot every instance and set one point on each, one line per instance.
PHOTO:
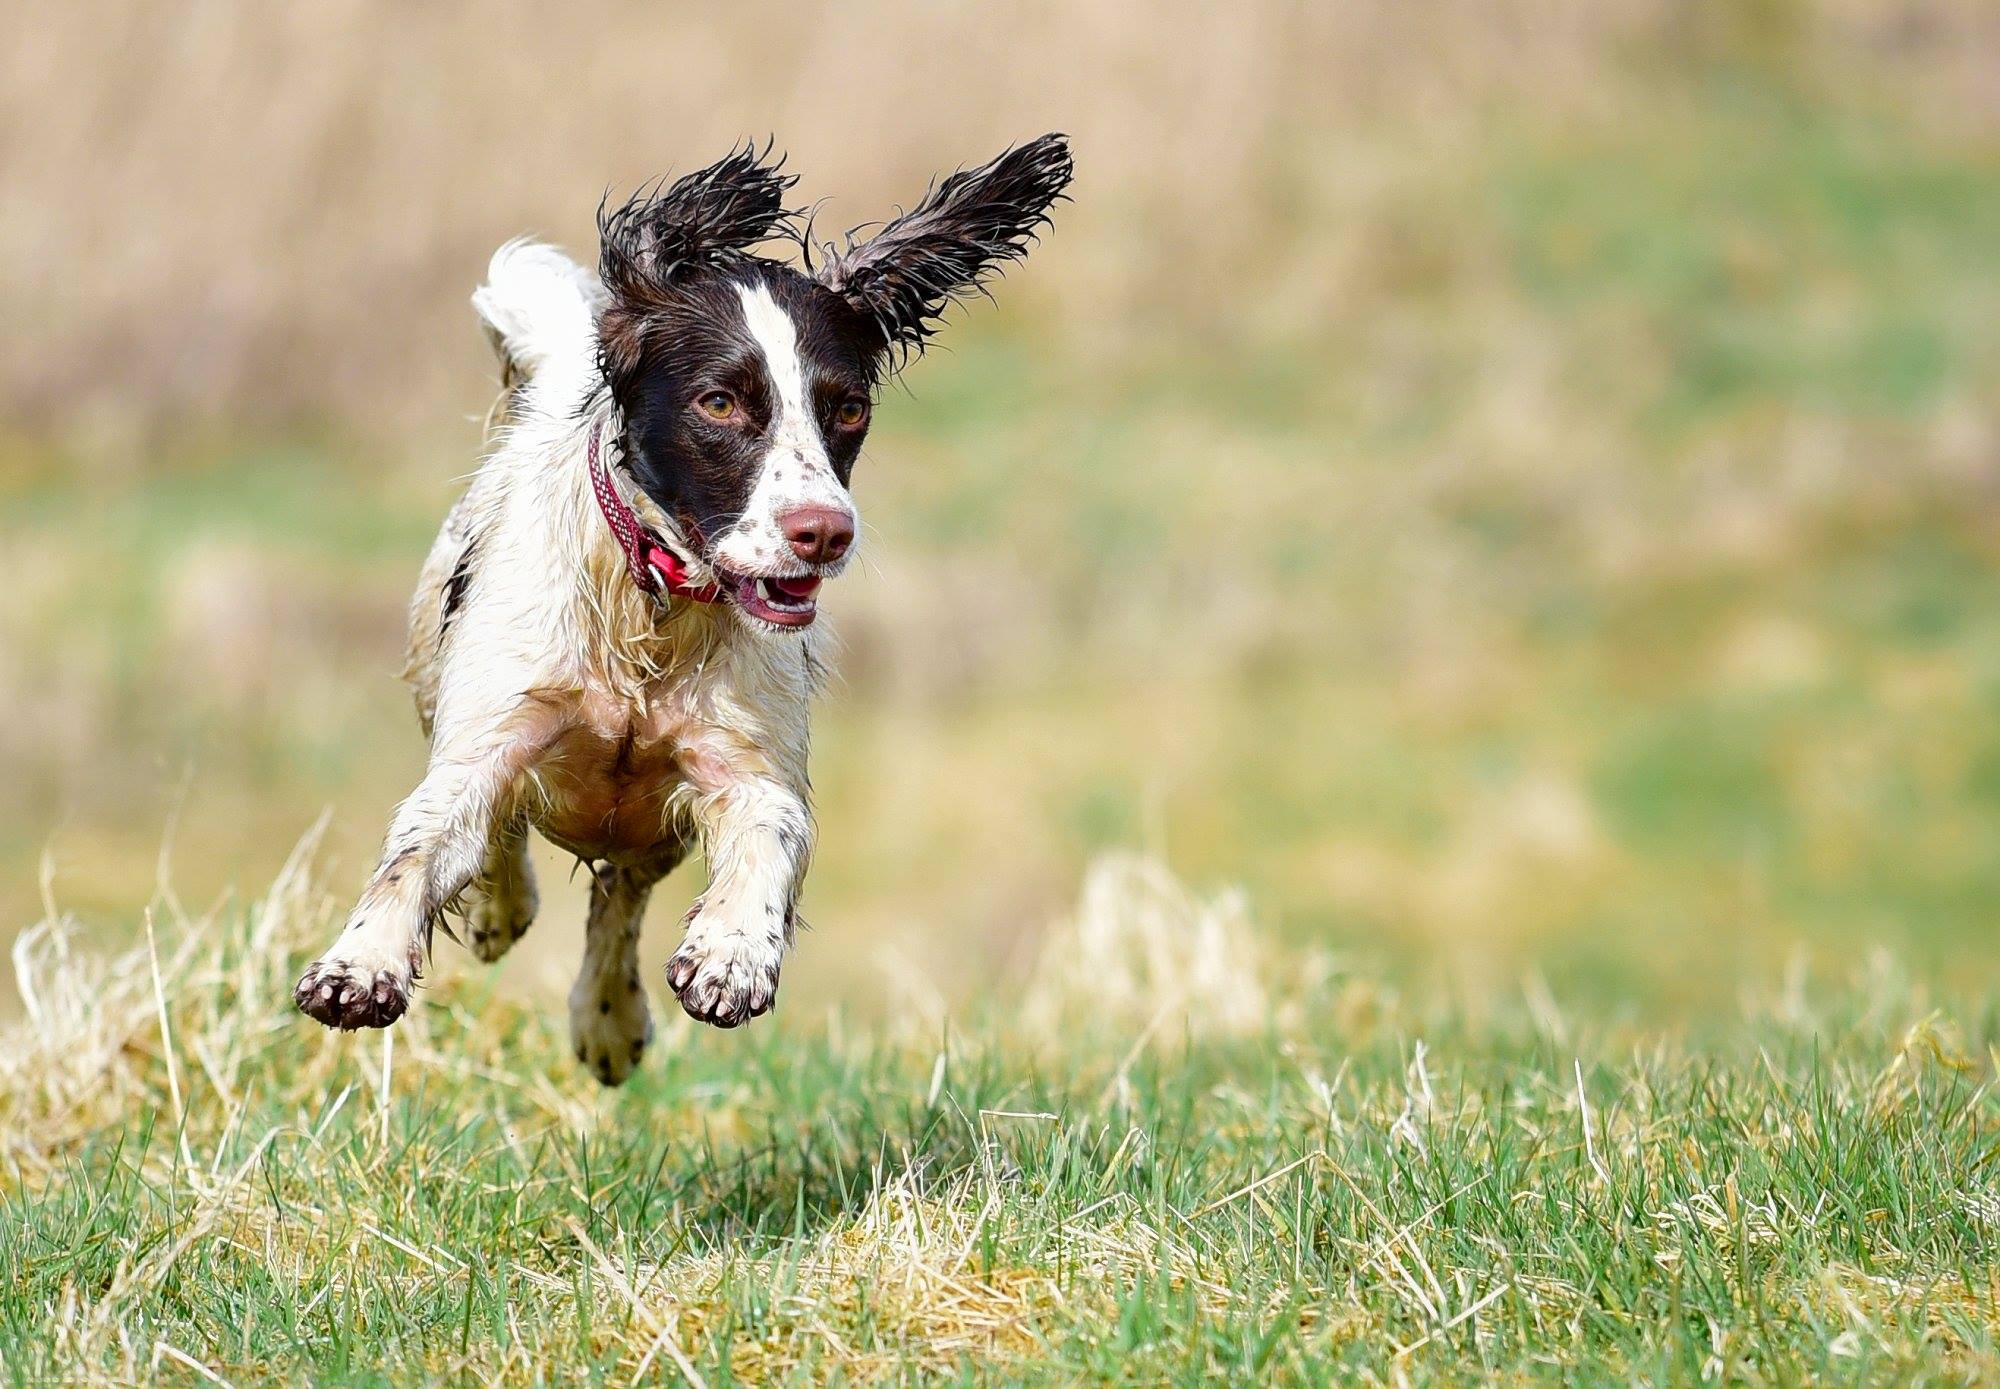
(739, 366)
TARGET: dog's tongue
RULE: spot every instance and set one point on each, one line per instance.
(796, 588)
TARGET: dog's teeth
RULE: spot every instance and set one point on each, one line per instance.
(764, 591)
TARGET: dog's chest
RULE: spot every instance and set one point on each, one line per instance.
(614, 783)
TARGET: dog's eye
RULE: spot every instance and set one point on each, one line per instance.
(851, 413)
(717, 405)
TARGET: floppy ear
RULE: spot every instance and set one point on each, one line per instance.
(707, 216)
(966, 229)
(704, 218)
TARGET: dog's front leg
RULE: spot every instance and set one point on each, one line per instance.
(757, 835)
(435, 846)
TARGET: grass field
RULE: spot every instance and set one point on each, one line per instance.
(1511, 487)
(1167, 1152)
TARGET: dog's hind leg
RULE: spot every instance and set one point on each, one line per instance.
(608, 1018)
(502, 900)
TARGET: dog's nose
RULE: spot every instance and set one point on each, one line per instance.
(818, 534)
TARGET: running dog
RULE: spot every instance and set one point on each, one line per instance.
(613, 641)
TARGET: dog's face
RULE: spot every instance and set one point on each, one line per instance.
(746, 385)
(745, 427)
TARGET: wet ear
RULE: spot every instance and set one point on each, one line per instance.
(966, 229)
(657, 234)
(709, 215)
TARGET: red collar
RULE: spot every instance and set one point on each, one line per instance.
(653, 566)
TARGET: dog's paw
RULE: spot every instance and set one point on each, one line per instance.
(352, 993)
(495, 920)
(610, 1026)
(725, 981)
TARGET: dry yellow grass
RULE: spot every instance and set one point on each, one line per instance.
(195, 1182)
(1509, 483)
(229, 214)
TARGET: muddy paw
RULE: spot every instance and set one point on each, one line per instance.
(724, 984)
(348, 995)
(611, 1060)
(610, 1026)
(493, 922)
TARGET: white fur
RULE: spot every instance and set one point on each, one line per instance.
(795, 472)
(552, 665)
(537, 303)
(609, 1021)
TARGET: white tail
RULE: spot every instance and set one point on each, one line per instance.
(537, 305)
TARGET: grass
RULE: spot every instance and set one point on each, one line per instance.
(1174, 1152)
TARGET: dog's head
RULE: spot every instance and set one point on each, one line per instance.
(746, 385)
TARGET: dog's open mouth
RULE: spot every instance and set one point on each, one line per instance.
(780, 602)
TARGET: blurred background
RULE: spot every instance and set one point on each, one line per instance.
(1513, 484)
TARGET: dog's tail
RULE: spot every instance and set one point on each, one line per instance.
(538, 305)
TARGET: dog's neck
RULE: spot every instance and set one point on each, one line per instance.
(657, 564)
(637, 638)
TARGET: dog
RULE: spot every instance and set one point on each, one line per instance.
(614, 638)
